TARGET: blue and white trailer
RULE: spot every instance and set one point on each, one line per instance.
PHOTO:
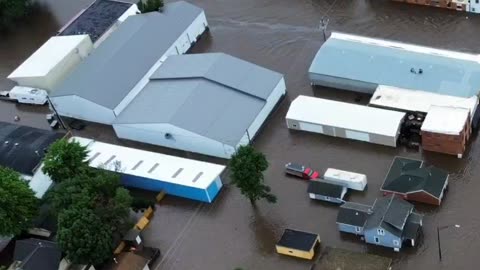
(192, 179)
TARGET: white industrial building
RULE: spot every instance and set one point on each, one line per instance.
(418, 101)
(192, 179)
(345, 120)
(52, 62)
(205, 103)
(110, 78)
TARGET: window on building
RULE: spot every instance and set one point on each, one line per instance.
(381, 232)
(327, 198)
(476, 1)
(396, 243)
(357, 229)
(376, 239)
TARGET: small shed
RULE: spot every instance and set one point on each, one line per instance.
(345, 120)
(187, 178)
(446, 130)
(298, 244)
(351, 180)
(328, 192)
(52, 62)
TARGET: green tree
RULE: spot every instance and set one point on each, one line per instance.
(18, 204)
(11, 10)
(97, 197)
(84, 237)
(247, 167)
(64, 160)
(150, 5)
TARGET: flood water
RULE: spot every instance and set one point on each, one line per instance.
(283, 35)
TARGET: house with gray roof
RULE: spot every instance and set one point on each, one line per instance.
(415, 181)
(390, 222)
(112, 75)
(205, 103)
(360, 64)
(33, 254)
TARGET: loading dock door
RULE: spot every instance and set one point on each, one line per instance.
(311, 127)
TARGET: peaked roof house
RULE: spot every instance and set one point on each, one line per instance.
(390, 222)
(34, 254)
(205, 103)
(112, 75)
(414, 181)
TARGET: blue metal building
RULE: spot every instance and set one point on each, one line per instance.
(192, 179)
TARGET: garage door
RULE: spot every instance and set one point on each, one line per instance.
(311, 127)
(355, 135)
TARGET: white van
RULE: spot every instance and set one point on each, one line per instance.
(350, 180)
(28, 95)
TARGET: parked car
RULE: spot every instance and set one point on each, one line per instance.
(301, 171)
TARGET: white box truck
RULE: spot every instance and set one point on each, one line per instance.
(26, 95)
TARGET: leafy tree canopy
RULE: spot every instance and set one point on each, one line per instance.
(150, 5)
(18, 204)
(64, 160)
(11, 10)
(247, 167)
(84, 237)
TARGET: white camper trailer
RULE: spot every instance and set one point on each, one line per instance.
(26, 95)
(350, 180)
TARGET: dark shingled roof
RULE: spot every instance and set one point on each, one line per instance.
(298, 240)
(408, 175)
(96, 19)
(37, 254)
(354, 214)
(412, 226)
(22, 148)
(326, 189)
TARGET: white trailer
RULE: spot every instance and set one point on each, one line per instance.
(26, 95)
(351, 180)
(345, 120)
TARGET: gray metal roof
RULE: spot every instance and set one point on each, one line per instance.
(364, 62)
(214, 95)
(37, 254)
(390, 213)
(117, 65)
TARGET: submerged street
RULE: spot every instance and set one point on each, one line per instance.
(284, 35)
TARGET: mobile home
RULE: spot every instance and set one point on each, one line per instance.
(345, 120)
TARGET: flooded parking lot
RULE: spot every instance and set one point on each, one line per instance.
(283, 35)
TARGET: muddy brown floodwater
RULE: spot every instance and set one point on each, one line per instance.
(283, 35)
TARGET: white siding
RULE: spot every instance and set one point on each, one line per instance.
(355, 135)
(180, 139)
(79, 108)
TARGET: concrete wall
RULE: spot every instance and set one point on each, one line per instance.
(179, 138)
(343, 133)
(342, 83)
(385, 240)
(80, 108)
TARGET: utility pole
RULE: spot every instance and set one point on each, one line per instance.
(56, 114)
(323, 27)
(439, 228)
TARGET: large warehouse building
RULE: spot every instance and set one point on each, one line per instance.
(204, 103)
(181, 177)
(105, 83)
(360, 64)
